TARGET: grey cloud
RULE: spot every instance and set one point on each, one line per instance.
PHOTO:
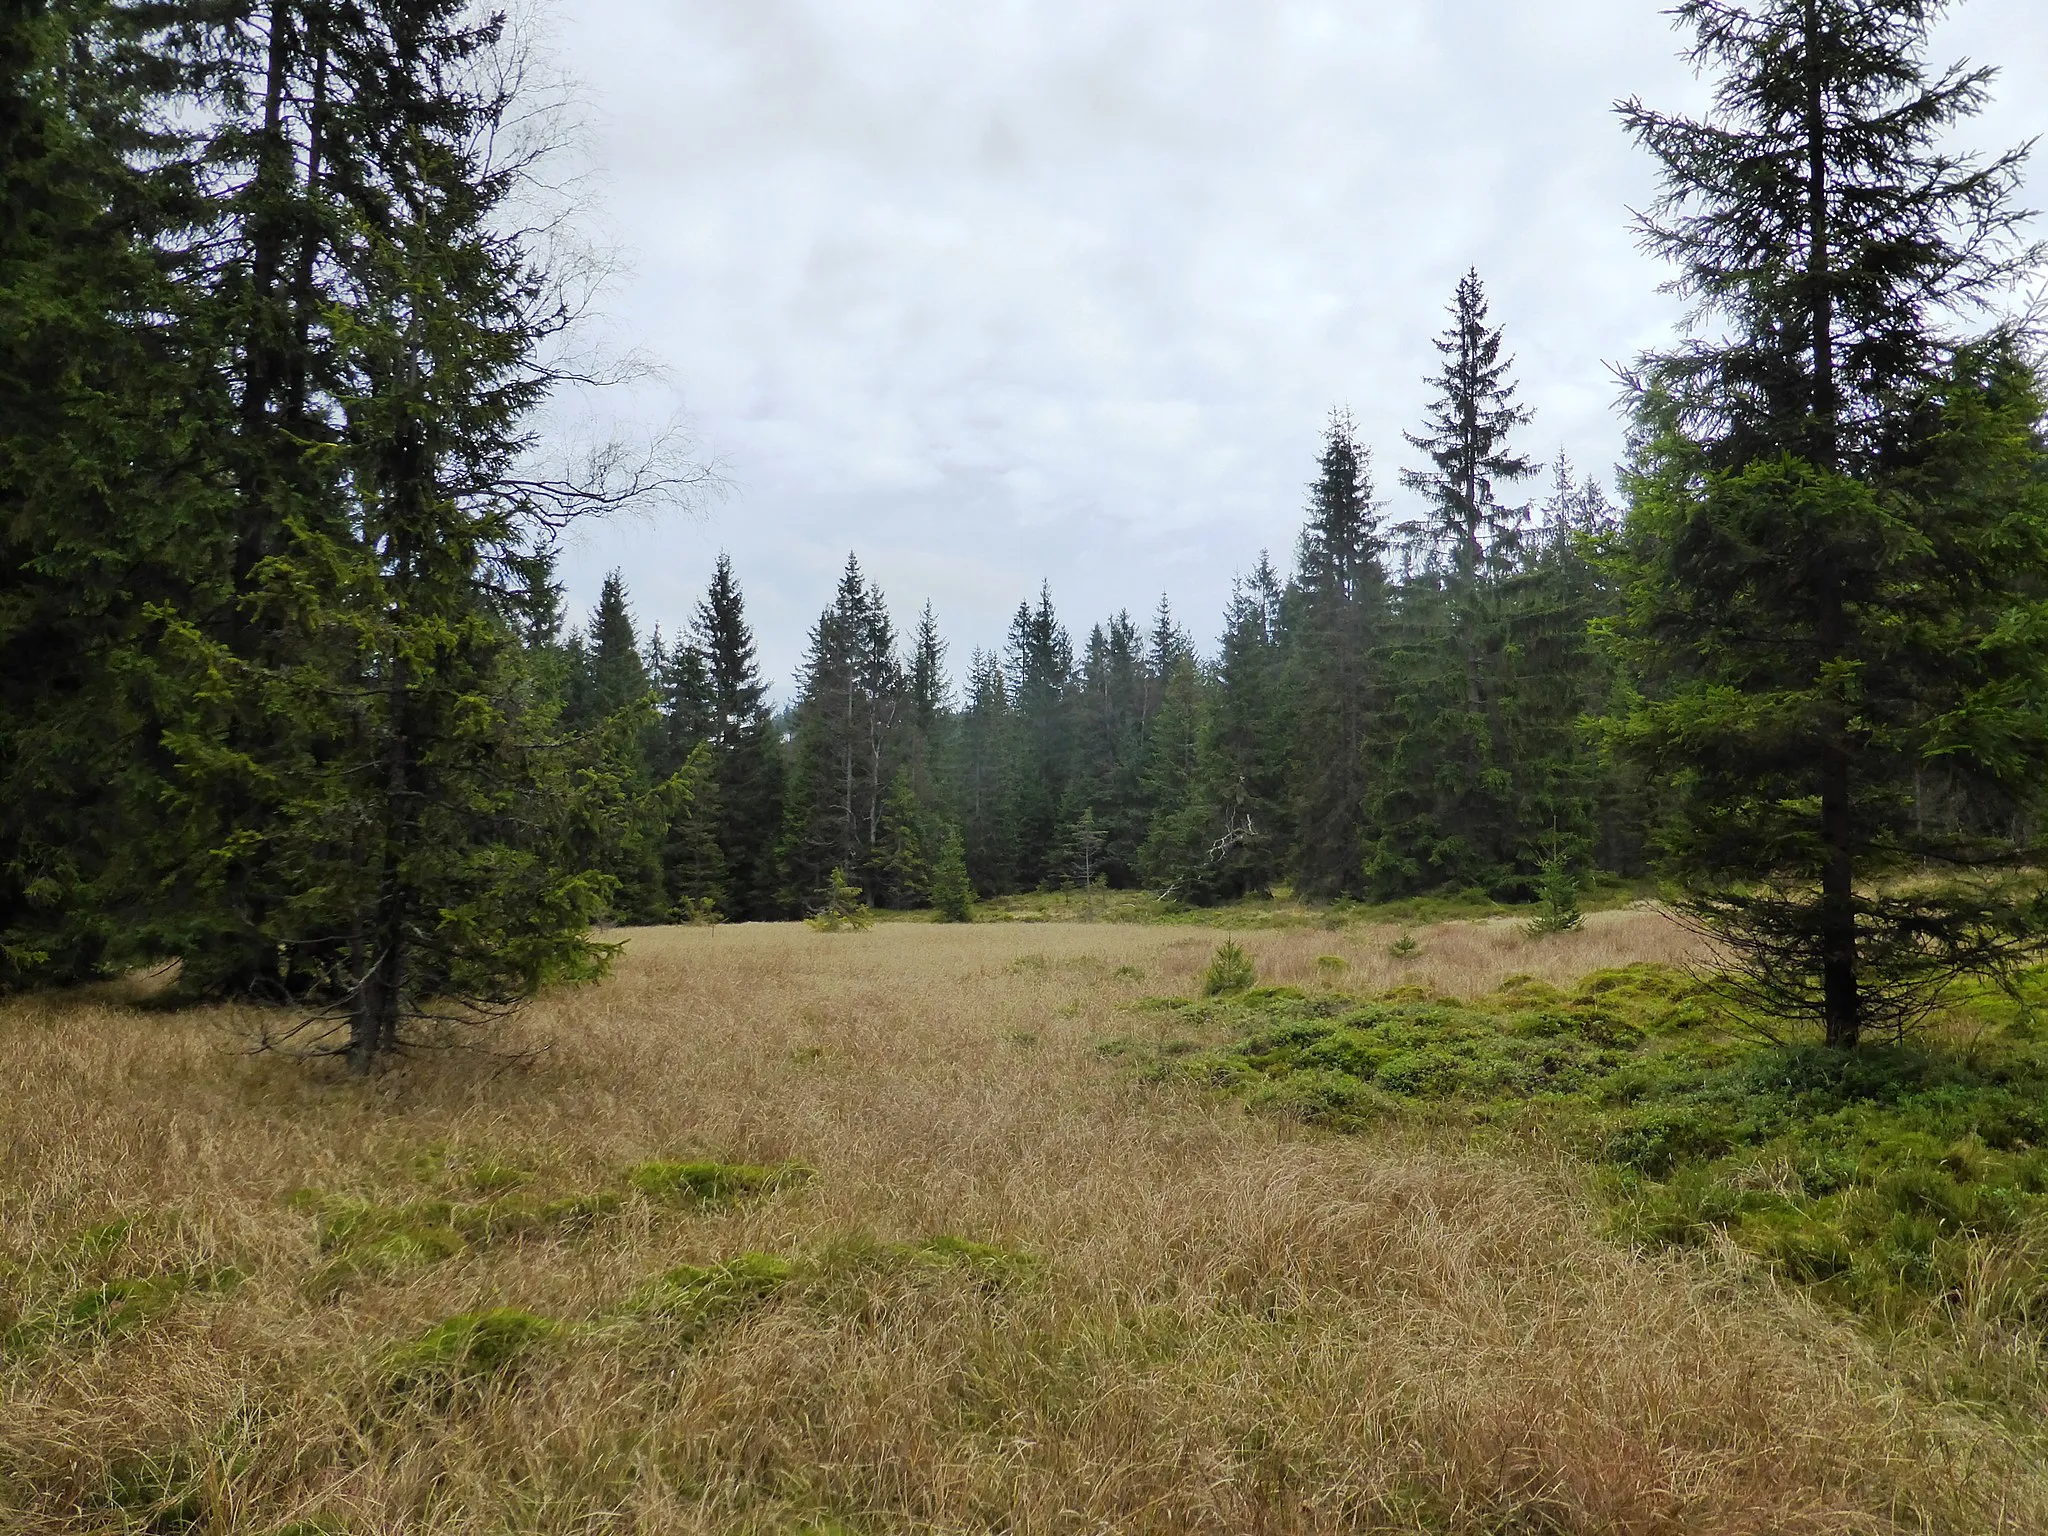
(1063, 288)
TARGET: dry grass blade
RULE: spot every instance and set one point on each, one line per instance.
(1021, 1290)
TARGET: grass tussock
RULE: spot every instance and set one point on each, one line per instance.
(1024, 1290)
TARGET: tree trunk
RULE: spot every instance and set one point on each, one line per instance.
(1841, 993)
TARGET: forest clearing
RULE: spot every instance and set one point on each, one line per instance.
(868, 1232)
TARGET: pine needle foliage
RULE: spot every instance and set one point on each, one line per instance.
(841, 908)
(952, 891)
(1833, 609)
(1230, 971)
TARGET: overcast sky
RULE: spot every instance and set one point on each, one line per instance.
(995, 291)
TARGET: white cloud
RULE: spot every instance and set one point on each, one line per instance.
(1063, 289)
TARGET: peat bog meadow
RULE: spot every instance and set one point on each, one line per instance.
(1537, 1030)
(1021, 1226)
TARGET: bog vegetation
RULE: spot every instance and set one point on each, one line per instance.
(289, 696)
(1009, 1226)
(1588, 1217)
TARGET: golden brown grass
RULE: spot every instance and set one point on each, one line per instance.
(1227, 1325)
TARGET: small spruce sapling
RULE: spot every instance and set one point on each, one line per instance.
(1230, 970)
(1560, 894)
(841, 907)
(952, 891)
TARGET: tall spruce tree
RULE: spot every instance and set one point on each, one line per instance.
(419, 856)
(745, 745)
(613, 701)
(1178, 853)
(928, 723)
(1446, 808)
(848, 742)
(111, 505)
(1244, 761)
(983, 777)
(1471, 421)
(1837, 530)
(1334, 612)
(1041, 676)
(1109, 726)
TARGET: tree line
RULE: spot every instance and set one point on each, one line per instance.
(286, 692)
(1403, 712)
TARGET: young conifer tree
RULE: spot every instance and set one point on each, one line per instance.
(1834, 551)
(952, 890)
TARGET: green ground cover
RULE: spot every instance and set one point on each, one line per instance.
(1906, 1184)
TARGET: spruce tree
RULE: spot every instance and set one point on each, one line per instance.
(848, 740)
(614, 703)
(1108, 753)
(1450, 815)
(1837, 527)
(1470, 423)
(695, 879)
(111, 503)
(952, 890)
(616, 676)
(1177, 855)
(369, 790)
(983, 777)
(1166, 646)
(899, 867)
(746, 747)
(1335, 610)
(1041, 674)
(1243, 774)
(680, 677)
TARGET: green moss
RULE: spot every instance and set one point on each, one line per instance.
(470, 1347)
(993, 1265)
(111, 1308)
(696, 1297)
(372, 1240)
(1896, 1181)
(713, 1183)
(852, 1271)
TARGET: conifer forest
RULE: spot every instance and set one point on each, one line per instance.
(288, 691)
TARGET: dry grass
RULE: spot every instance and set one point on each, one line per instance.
(1226, 1325)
